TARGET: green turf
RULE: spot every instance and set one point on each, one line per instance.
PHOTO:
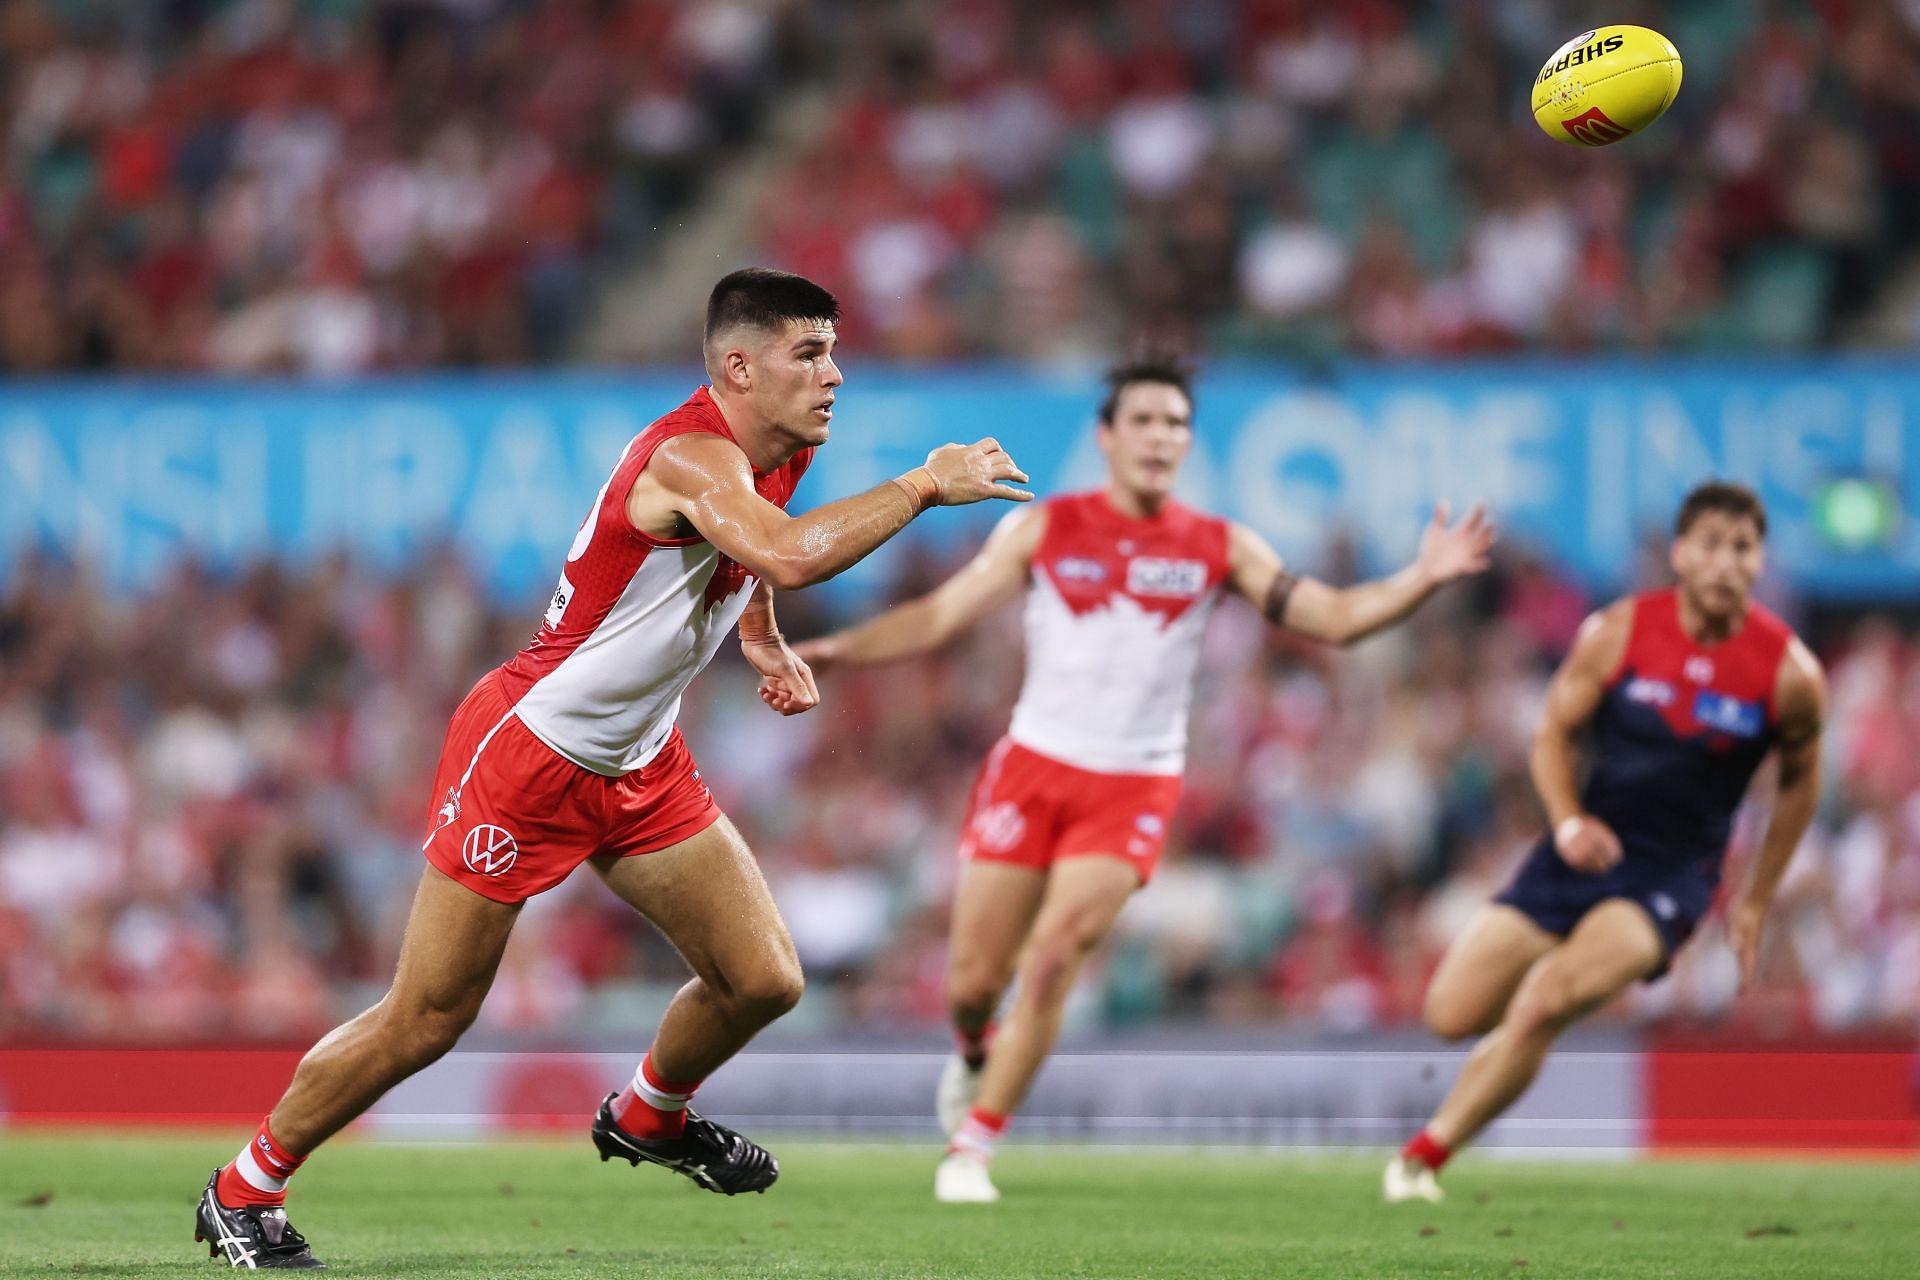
(85, 1206)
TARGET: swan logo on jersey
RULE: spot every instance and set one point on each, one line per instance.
(1154, 576)
(490, 850)
(999, 827)
(729, 575)
(1699, 669)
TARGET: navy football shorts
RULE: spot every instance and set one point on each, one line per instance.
(1555, 896)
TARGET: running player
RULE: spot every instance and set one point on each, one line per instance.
(569, 753)
(1071, 809)
(1686, 691)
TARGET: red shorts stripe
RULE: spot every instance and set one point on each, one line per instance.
(1032, 811)
(512, 818)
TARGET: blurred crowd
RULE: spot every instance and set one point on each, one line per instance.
(1253, 175)
(334, 186)
(212, 796)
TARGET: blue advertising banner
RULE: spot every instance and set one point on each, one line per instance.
(1582, 461)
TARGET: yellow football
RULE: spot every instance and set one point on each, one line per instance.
(1606, 85)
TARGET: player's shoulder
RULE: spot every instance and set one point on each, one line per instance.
(1769, 627)
(1079, 502)
(698, 410)
(696, 433)
(1078, 514)
(697, 415)
(1801, 680)
(1643, 619)
(1608, 634)
(1623, 616)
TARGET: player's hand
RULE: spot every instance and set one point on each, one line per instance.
(816, 654)
(1587, 844)
(1454, 551)
(786, 682)
(1745, 918)
(975, 472)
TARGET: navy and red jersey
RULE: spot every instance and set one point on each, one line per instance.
(1679, 732)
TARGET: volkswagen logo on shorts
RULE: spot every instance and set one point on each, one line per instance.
(1000, 827)
(490, 850)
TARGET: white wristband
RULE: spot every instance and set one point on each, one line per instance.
(1568, 828)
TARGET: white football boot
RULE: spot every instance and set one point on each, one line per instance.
(1407, 1180)
(962, 1179)
(959, 1086)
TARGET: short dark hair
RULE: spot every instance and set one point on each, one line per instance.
(1165, 369)
(764, 299)
(1723, 496)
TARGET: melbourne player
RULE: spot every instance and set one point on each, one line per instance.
(1072, 808)
(1685, 692)
(569, 753)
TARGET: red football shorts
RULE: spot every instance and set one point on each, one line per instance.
(1032, 810)
(512, 818)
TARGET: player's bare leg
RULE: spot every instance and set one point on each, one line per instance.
(448, 957)
(993, 910)
(1082, 899)
(1468, 996)
(1612, 947)
(706, 894)
(1481, 970)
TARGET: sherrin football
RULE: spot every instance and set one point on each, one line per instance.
(1606, 85)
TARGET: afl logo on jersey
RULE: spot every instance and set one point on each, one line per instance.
(1079, 569)
(1657, 693)
(1153, 576)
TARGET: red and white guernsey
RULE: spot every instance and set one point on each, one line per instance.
(634, 617)
(1115, 612)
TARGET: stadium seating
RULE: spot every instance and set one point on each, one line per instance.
(213, 794)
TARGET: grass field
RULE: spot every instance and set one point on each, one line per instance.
(86, 1206)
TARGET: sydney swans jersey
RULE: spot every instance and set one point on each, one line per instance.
(1680, 730)
(634, 618)
(1115, 611)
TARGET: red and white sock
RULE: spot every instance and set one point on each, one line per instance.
(1423, 1148)
(258, 1175)
(980, 1134)
(973, 1048)
(651, 1107)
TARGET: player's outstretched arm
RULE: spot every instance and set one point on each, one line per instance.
(992, 578)
(786, 682)
(1800, 695)
(1342, 615)
(704, 481)
(1584, 842)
